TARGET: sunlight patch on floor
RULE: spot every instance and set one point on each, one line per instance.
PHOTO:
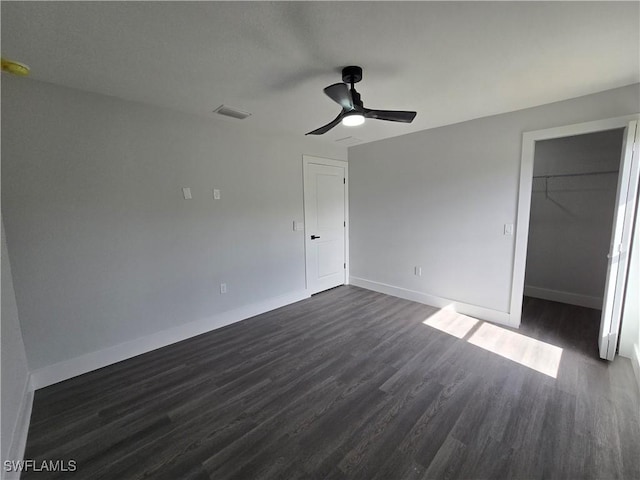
(451, 322)
(535, 354)
(540, 356)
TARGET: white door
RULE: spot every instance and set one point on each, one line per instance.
(325, 223)
(620, 244)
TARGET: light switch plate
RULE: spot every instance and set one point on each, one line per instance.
(508, 228)
(298, 226)
(216, 194)
(186, 192)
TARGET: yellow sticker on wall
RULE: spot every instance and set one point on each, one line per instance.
(16, 68)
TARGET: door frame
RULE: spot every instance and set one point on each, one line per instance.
(306, 161)
(524, 196)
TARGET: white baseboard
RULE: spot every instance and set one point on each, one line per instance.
(563, 297)
(481, 313)
(64, 370)
(20, 431)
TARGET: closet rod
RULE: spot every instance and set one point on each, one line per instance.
(575, 174)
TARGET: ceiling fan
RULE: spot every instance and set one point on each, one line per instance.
(353, 111)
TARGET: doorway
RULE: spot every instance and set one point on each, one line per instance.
(622, 219)
(325, 220)
(573, 199)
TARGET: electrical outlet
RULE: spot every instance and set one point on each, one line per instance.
(223, 288)
(216, 194)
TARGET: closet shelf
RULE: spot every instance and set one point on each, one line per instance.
(609, 172)
(547, 177)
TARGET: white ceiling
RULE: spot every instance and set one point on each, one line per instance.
(449, 61)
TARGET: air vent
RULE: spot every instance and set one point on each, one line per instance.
(348, 141)
(231, 112)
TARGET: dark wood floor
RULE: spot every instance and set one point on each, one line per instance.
(349, 384)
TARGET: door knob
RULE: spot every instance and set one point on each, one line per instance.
(313, 237)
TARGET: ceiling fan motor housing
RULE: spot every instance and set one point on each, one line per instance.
(357, 100)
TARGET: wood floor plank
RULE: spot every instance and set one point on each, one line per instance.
(447, 462)
(387, 428)
(350, 384)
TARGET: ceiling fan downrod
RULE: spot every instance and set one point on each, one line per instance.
(352, 75)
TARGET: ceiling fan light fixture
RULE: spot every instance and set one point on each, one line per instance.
(353, 120)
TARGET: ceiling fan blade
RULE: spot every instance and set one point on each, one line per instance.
(390, 115)
(339, 93)
(328, 126)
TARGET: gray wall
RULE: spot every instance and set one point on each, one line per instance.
(15, 373)
(103, 246)
(440, 198)
(570, 223)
